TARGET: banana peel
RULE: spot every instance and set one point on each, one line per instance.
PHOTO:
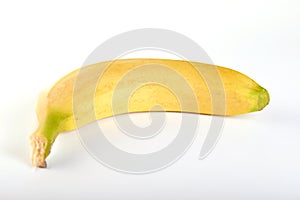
(140, 84)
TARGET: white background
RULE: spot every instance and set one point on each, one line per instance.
(257, 156)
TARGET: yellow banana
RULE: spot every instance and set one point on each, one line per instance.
(137, 85)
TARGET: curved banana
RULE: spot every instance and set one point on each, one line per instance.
(137, 85)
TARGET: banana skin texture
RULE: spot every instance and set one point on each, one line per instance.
(116, 87)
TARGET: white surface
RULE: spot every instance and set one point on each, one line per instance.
(257, 156)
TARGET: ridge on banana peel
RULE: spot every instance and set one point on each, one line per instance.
(55, 107)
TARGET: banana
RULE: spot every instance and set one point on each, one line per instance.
(122, 86)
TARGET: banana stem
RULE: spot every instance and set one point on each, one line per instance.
(39, 145)
(43, 138)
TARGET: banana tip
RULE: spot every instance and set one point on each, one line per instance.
(263, 99)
